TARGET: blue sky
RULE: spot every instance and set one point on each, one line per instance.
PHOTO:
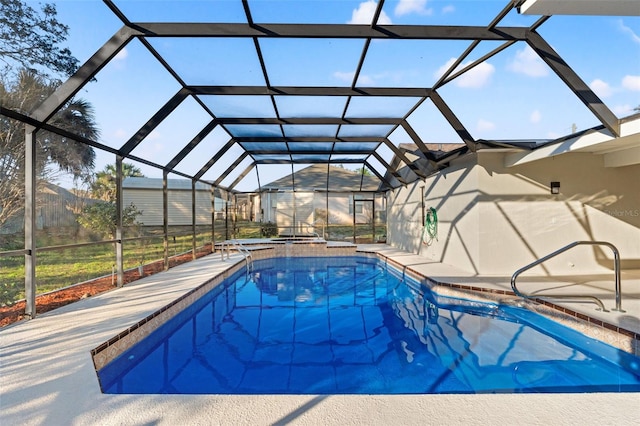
(511, 96)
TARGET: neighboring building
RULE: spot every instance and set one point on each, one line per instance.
(303, 202)
(146, 195)
(56, 207)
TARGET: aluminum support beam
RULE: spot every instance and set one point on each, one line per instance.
(415, 169)
(119, 249)
(417, 92)
(241, 176)
(230, 169)
(418, 141)
(30, 147)
(378, 175)
(453, 121)
(165, 218)
(193, 219)
(154, 121)
(310, 120)
(574, 82)
(333, 31)
(84, 74)
(249, 139)
(191, 145)
(390, 169)
(213, 159)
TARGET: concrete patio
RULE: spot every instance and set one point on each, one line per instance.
(47, 374)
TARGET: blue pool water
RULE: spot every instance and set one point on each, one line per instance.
(353, 326)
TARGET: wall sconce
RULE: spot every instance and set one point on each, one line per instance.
(555, 187)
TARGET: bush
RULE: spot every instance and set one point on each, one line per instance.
(269, 230)
(101, 217)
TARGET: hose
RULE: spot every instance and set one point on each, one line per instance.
(430, 226)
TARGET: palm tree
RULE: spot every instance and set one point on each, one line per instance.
(55, 153)
(103, 186)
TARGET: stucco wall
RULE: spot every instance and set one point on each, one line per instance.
(494, 220)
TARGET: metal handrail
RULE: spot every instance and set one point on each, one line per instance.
(616, 266)
(323, 224)
(240, 248)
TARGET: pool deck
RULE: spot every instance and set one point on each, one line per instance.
(47, 374)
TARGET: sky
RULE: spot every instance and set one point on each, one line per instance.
(513, 95)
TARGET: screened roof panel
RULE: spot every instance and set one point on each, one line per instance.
(234, 173)
(380, 106)
(129, 106)
(348, 157)
(206, 149)
(191, 11)
(311, 62)
(544, 101)
(240, 66)
(310, 130)
(271, 157)
(301, 12)
(264, 146)
(617, 80)
(254, 130)
(194, 87)
(183, 124)
(441, 12)
(407, 63)
(355, 146)
(310, 106)
(311, 146)
(366, 130)
(239, 106)
(317, 158)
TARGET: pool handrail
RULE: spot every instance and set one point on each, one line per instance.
(616, 266)
(240, 249)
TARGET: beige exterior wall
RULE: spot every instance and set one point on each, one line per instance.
(494, 220)
(179, 206)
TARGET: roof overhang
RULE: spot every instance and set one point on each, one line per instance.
(580, 7)
(617, 152)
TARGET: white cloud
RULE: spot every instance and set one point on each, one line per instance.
(475, 78)
(365, 80)
(364, 14)
(484, 125)
(344, 76)
(406, 7)
(631, 82)
(535, 117)
(122, 55)
(622, 110)
(121, 134)
(527, 62)
(448, 9)
(634, 37)
(601, 88)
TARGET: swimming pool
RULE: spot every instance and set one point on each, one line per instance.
(352, 325)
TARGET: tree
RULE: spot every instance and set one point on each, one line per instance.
(55, 153)
(364, 171)
(103, 186)
(102, 215)
(30, 38)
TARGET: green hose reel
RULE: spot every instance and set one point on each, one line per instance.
(430, 231)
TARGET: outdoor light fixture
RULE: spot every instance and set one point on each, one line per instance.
(555, 187)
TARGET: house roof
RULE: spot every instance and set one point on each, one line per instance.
(318, 176)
